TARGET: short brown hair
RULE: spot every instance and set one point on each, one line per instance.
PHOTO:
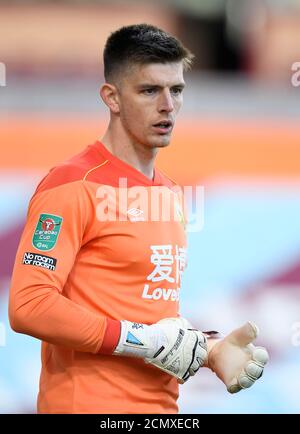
(142, 44)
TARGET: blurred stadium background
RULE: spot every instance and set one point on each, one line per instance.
(238, 135)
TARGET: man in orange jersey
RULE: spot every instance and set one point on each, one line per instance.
(98, 269)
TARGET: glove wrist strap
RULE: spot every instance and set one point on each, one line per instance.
(139, 340)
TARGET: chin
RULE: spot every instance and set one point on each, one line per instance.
(160, 142)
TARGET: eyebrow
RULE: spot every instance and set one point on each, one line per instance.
(157, 86)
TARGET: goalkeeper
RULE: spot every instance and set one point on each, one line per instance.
(96, 278)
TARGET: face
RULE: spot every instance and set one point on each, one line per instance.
(150, 97)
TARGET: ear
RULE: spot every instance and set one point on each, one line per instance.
(109, 95)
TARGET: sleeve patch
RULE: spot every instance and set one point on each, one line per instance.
(38, 260)
(46, 232)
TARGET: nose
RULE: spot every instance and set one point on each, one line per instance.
(166, 102)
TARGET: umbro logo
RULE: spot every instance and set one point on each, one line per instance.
(136, 215)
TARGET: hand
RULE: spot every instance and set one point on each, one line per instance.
(170, 345)
(235, 360)
(186, 352)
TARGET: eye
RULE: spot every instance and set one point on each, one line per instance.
(149, 91)
(177, 90)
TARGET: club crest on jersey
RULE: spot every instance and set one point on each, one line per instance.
(180, 215)
(46, 232)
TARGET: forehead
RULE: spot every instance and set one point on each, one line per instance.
(159, 74)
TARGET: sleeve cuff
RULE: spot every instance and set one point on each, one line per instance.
(111, 337)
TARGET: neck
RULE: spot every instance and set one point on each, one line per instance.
(123, 147)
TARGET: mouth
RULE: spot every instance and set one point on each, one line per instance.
(163, 127)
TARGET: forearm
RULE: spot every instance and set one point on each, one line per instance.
(46, 314)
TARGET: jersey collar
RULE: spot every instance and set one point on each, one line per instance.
(127, 169)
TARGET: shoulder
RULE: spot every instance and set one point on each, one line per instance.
(77, 168)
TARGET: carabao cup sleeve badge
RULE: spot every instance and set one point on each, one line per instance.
(46, 232)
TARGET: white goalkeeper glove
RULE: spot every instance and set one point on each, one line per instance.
(170, 345)
(235, 360)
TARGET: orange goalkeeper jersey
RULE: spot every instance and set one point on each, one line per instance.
(101, 242)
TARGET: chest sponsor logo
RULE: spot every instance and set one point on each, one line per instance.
(168, 263)
(161, 293)
(46, 232)
(37, 260)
